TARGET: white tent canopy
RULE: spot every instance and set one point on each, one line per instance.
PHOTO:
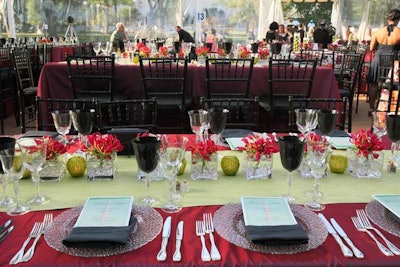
(270, 10)
(336, 17)
(364, 21)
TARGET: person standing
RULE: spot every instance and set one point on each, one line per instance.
(118, 38)
(321, 35)
(272, 33)
(184, 36)
(385, 40)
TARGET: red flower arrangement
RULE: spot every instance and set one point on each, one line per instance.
(144, 51)
(202, 51)
(204, 149)
(54, 148)
(366, 143)
(221, 52)
(257, 145)
(263, 53)
(102, 146)
(244, 52)
(163, 51)
(317, 142)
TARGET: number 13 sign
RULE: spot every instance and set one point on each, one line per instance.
(201, 16)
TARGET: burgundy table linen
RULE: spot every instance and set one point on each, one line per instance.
(328, 254)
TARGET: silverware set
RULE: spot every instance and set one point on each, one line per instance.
(203, 227)
(36, 232)
(4, 231)
(162, 254)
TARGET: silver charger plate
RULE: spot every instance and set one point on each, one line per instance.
(148, 227)
(229, 224)
(382, 217)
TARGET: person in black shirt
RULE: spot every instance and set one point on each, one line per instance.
(184, 36)
(321, 35)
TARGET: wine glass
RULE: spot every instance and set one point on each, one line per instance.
(147, 156)
(96, 48)
(6, 143)
(291, 150)
(379, 123)
(218, 118)
(327, 121)
(205, 123)
(393, 132)
(62, 122)
(33, 157)
(172, 152)
(187, 47)
(196, 123)
(83, 122)
(306, 120)
(11, 161)
(319, 154)
(104, 48)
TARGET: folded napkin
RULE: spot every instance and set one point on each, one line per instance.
(228, 133)
(99, 237)
(277, 235)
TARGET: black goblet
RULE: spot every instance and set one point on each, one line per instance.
(83, 122)
(218, 117)
(327, 121)
(291, 150)
(393, 132)
(147, 156)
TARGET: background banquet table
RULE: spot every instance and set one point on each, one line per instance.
(344, 194)
(54, 82)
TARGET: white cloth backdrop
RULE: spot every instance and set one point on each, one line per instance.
(336, 17)
(270, 10)
(364, 21)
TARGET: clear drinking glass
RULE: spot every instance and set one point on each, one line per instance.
(11, 161)
(291, 150)
(306, 120)
(393, 132)
(96, 48)
(172, 151)
(33, 158)
(6, 143)
(62, 123)
(205, 123)
(379, 123)
(187, 47)
(196, 123)
(147, 157)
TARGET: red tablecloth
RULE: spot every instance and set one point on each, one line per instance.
(59, 52)
(328, 254)
(54, 82)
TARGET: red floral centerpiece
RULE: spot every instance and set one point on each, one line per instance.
(366, 143)
(263, 53)
(102, 146)
(317, 142)
(163, 51)
(221, 52)
(54, 148)
(144, 51)
(258, 149)
(243, 52)
(52, 169)
(202, 51)
(204, 160)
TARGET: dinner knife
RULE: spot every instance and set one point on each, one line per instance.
(179, 235)
(345, 250)
(5, 233)
(4, 226)
(342, 233)
(162, 254)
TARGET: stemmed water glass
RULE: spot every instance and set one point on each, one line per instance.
(291, 150)
(83, 122)
(187, 47)
(306, 120)
(6, 143)
(319, 154)
(62, 122)
(147, 156)
(379, 123)
(218, 117)
(205, 123)
(11, 161)
(96, 48)
(172, 152)
(196, 123)
(393, 132)
(33, 157)
(104, 48)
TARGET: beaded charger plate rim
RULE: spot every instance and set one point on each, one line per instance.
(382, 217)
(229, 224)
(148, 227)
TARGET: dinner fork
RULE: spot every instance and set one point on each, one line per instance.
(209, 229)
(34, 232)
(360, 227)
(367, 224)
(47, 220)
(205, 255)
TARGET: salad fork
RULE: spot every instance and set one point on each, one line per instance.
(47, 220)
(209, 229)
(360, 227)
(33, 234)
(367, 224)
(205, 255)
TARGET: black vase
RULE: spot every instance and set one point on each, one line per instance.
(327, 120)
(393, 127)
(291, 150)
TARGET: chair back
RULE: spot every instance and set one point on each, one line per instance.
(243, 112)
(23, 68)
(340, 104)
(388, 99)
(44, 107)
(349, 71)
(92, 76)
(313, 54)
(228, 78)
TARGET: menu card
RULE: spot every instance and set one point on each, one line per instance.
(267, 211)
(105, 212)
(341, 142)
(390, 201)
(235, 142)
